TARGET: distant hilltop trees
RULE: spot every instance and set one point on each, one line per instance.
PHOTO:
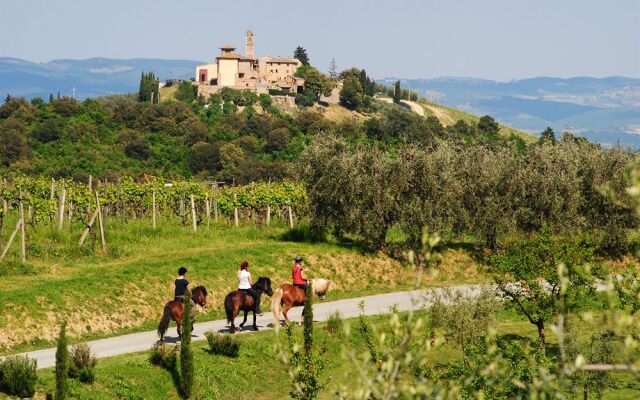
(149, 88)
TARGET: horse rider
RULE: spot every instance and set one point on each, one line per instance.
(297, 274)
(244, 285)
(182, 285)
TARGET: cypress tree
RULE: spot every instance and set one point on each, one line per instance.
(186, 354)
(307, 316)
(62, 364)
(397, 93)
(141, 88)
(333, 70)
(50, 98)
(301, 54)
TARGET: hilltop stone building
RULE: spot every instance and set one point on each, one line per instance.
(246, 72)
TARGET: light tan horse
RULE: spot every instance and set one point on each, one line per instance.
(292, 296)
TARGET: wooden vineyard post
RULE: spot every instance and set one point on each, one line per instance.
(70, 210)
(290, 213)
(207, 205)
(88, 228)
(102, 239)
(235, 210)
(5, 203)
(13, 236)
(63, 196)
(23, 252)
(268, 216)
(52, 195)
(193, 214)
(90, 190)
(182, 211)
(153, 211)
(215, 202)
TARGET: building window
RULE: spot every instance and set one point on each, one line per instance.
(241, 75)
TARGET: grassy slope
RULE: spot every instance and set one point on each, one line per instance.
(448, 116)
(257, 373)
(123, 291)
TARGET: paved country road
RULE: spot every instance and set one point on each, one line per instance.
(348, 308)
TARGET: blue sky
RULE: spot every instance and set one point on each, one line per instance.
(494, 39)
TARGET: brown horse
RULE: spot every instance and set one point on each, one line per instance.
(175, 309)
(292, 296)
(239, 300)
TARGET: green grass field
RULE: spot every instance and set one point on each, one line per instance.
(258, 374)
(124, 290)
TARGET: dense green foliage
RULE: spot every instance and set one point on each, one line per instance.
(112, 136)
(316, 84)
(481, 185)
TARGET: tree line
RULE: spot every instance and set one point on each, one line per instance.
(491, 192)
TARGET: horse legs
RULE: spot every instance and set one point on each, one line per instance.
(286, 308)
(255, 326)
(244, 321)
(179, 328)
(232, 328)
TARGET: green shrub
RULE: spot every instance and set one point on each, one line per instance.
(82, 363)
(87, 375)
(18, 376)
(222, 345)
(334, 324)
(165, 356)
(278, 92)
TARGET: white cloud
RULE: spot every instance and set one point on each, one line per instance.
(110, 70)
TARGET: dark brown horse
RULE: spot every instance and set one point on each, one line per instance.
(293, 296)
(239, 300)
(175, 309)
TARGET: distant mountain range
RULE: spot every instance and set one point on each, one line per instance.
(91, 77)
(605, 110)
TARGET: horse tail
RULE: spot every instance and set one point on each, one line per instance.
(228, 307)
(166, 319)
(276, 304)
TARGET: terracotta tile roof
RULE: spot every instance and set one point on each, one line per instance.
(229, 56)
(282, 60)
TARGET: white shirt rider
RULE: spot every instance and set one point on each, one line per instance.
(244, 279)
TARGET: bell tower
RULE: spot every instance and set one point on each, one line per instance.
(250, 44)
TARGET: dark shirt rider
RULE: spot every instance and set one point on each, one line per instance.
(181, 285)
